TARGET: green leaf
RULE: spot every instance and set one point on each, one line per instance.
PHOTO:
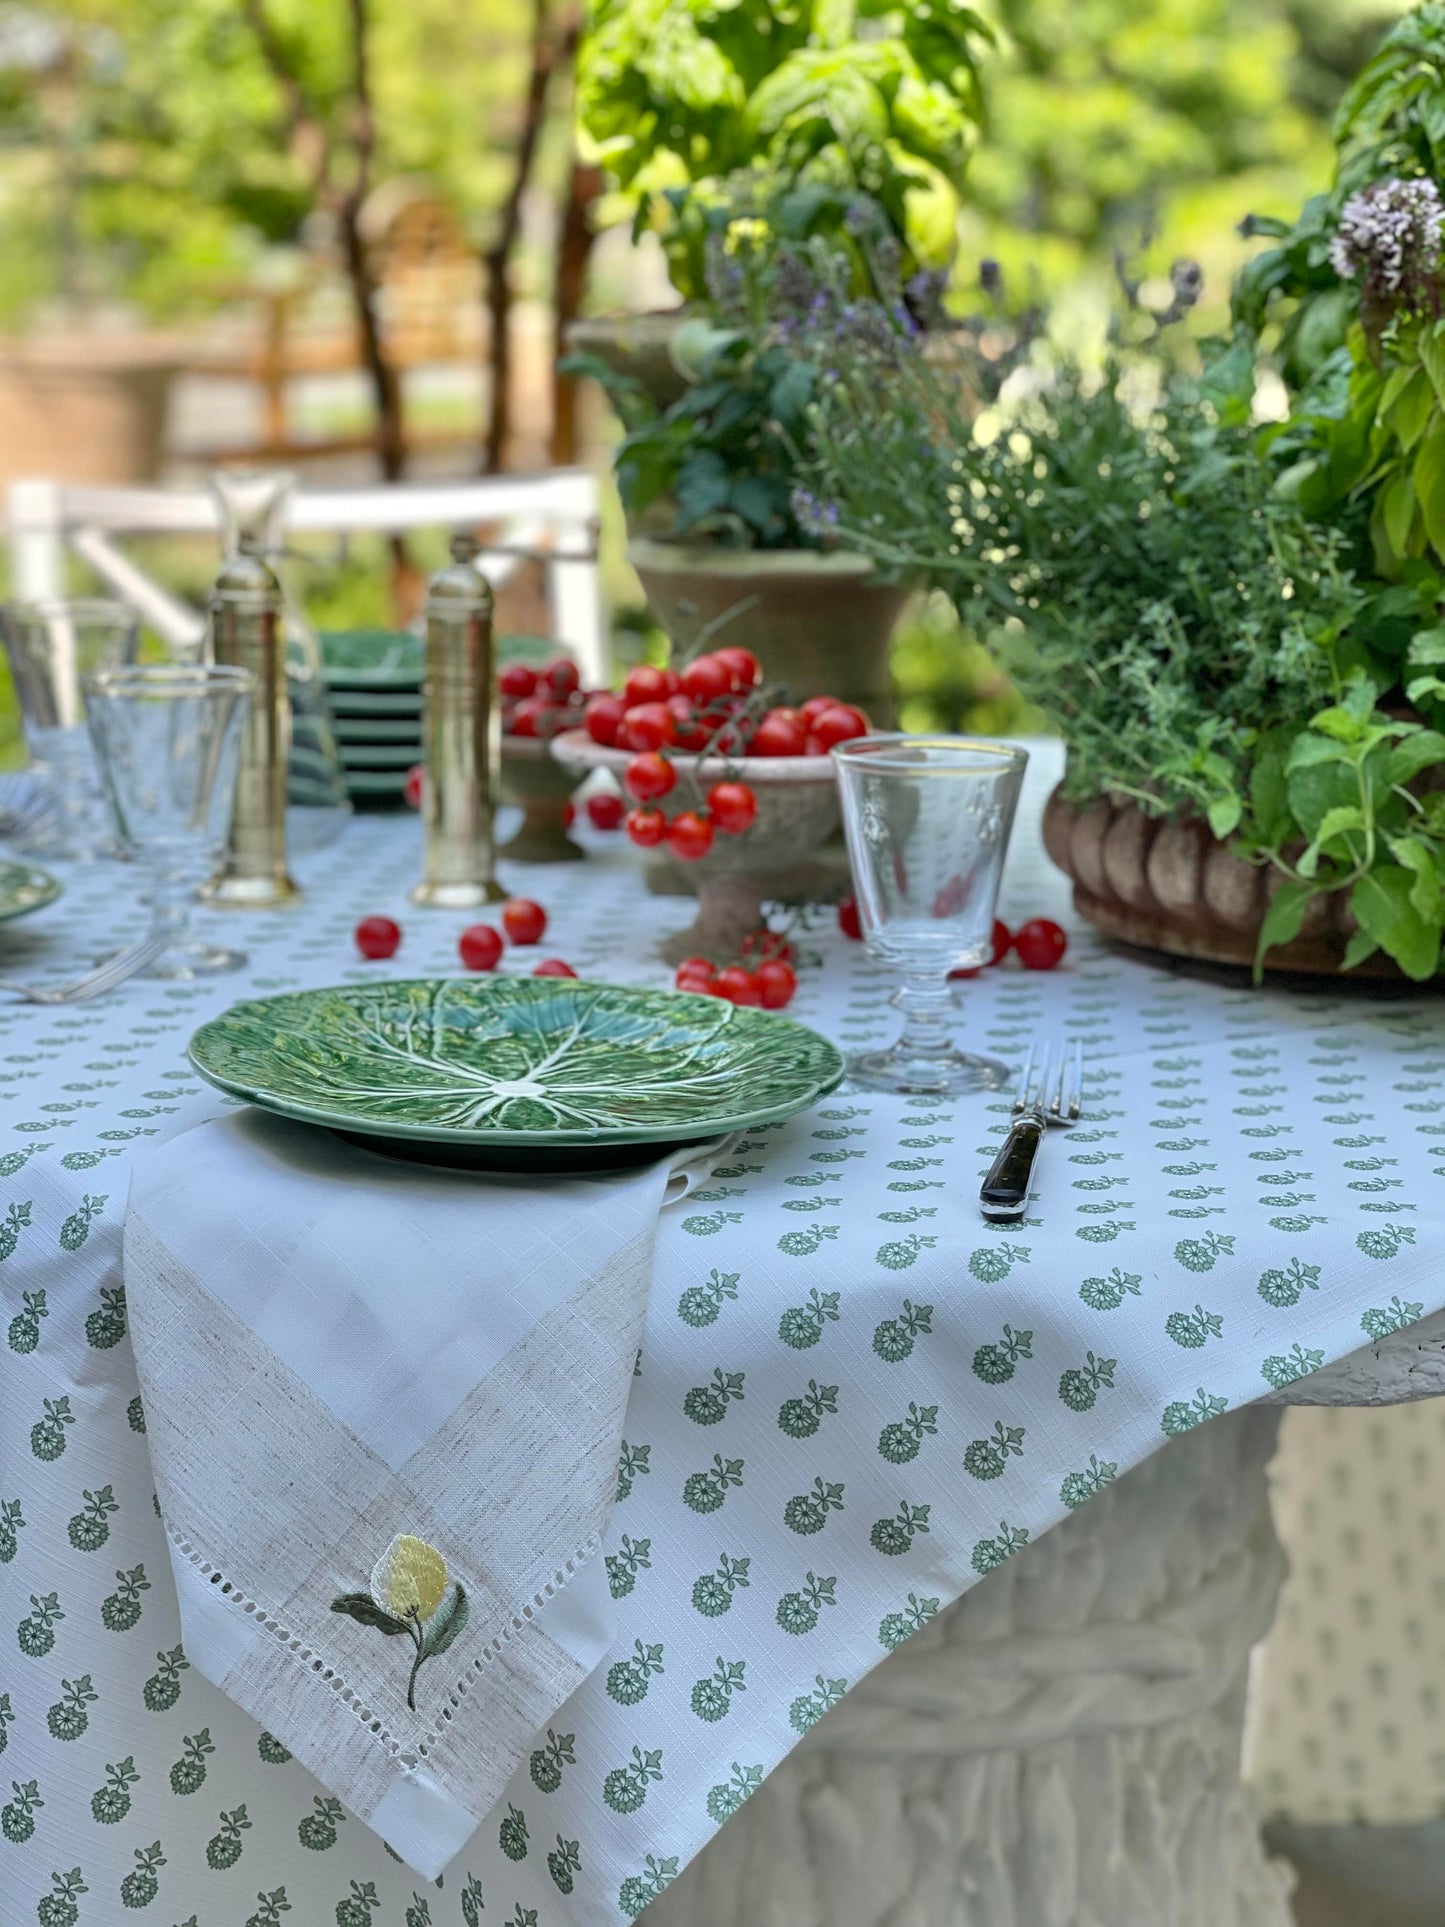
(1334, 822)
(1418, 751)
(362, 1607)
(1268, 796)
(447, 1622)
(1360, 946)
(1426, 894)
(1429, 478)
(1413, 410)
(1224, 814)
(1283, 920)
(1396, 510)
(1382, 905)
(1427, 646)
(1432, 360)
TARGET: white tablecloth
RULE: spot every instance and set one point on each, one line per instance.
(852, 1398)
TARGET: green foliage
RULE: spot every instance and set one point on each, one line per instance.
(1195, 637)
(721, 463)
(816, 100)
(1391, 123)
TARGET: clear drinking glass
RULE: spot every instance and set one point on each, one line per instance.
(53, 647)
(927, 820)
(168, 745)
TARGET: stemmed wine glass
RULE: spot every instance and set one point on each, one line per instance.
(927, 819)
(52, 647)
(168, 745)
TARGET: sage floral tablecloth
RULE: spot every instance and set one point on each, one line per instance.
(852, 1400)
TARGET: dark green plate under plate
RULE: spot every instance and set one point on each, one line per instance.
(516, 1073)
(23, 890)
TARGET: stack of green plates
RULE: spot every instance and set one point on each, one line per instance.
(373, 682)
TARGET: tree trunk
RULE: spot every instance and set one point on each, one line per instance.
(574, 246)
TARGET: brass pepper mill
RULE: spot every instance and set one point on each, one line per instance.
(245, 631)
(457, 800)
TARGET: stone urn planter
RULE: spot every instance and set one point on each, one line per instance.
(531, 777)
(1168, 883)
(797, 810)
(819, 622)
(636, 345)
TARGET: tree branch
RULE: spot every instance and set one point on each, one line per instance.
(549, 54)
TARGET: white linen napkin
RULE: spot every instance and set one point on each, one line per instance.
(384, 1405)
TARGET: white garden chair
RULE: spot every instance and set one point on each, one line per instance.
(551, 517)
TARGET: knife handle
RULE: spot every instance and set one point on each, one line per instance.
(1005, 1191)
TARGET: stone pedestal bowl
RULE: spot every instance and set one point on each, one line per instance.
(797, 811)
(530, 777)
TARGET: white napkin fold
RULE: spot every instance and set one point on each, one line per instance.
(402, 1389)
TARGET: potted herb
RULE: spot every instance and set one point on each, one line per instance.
(723, 537)
(1245, 777)
(706, 114)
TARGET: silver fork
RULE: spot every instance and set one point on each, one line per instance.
(1049, 1092)
(105, 976)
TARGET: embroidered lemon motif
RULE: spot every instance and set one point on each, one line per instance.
(408, 1594)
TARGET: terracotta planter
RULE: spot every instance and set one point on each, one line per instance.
(1167, 883)
(819, 623)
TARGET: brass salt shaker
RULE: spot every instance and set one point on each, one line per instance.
(245, 631)
(457, 801)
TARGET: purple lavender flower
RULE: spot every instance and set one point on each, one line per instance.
(1389, 241)
(817, 518)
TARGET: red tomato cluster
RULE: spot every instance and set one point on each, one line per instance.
(715, 705)
(1038, 944)
(763, 978)
(480, 946)
(538, 703)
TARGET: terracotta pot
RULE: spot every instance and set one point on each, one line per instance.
(1168, 883)
(635, 345)
(797, 809)
(530, 776)
(818, 622)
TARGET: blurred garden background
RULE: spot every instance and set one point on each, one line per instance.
(348, 235)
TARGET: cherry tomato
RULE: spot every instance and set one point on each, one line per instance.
(691, 964)
(645, 685)
(480, 947)
(523, 920)
(553, 967)
(689, 836)
(706, 681)
(739, 986)
(569, 814)
(691, 731)
(561, 676)
(695, 974)
(601, 717)
(647, 726)
(1001, 941)
(1039, 944)
(848, 919)
(840, 724)
(647, 828)
(411, 789)
(378, 937)
(733, 807)
(767, 943)
(605, 810)
(815, 705)
(649, 776)
(517, 680)
(742, 665)
(776, 983)
(529, 717)
(780, 733)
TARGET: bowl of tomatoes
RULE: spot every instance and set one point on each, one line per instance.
(733, 784)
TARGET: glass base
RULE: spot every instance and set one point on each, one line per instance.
(954, 1074)
(194, 959)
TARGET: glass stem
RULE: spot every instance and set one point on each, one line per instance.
(171, 900)
(928, 1017)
